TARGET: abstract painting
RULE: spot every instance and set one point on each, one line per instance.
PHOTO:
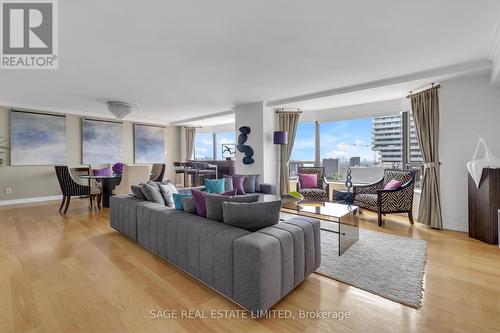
(37, 139)
(101, 141)
(149, 144)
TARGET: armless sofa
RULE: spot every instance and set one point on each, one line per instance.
(253, 269)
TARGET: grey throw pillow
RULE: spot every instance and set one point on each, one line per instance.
(251, 216)
(214, 204)
(189, 205)
(228, 183)
(137, 192)
(166, 191)
(152, 193)
(249, 183)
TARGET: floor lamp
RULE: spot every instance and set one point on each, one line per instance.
(280, 138)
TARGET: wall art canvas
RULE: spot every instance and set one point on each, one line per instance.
(101, 141)
(149, 144)
(37, 139)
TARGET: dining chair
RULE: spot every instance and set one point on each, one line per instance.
(157, 172)
(132, 175)
(70, 188)
(95, 184)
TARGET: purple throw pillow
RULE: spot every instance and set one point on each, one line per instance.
(199, 202)
(231, 193)
(308, 180)
(102, 172)
(238, 184)
(393, 185)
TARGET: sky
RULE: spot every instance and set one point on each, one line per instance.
(339, 139)
(204, 144)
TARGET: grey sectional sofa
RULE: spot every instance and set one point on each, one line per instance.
(253, 269)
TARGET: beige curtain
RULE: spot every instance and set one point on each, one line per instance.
(190, 136)
(425, 109)
(287, 122)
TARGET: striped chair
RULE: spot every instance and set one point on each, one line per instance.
(373, 196)
(321, 192)
(70, 188)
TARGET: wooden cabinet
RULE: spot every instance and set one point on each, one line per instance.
(484, 203)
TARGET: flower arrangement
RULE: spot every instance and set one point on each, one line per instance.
(118, 168)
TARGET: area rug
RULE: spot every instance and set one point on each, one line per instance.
(388, 266)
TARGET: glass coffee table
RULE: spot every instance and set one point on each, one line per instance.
(342, 217)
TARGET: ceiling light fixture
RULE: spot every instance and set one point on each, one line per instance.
(119, 109)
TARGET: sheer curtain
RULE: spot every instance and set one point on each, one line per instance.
(190, 137)
(288, 122)
(425, 109)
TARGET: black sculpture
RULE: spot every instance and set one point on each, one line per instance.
(348, 182)
(242, 147)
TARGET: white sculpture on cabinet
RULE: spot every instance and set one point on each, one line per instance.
(477, 165)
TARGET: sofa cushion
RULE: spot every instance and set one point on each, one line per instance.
(393, 184)
(199, 201)
(368, 201)
(249, 183)
(188, 205)
(214, 204)
(152, 193)
(251, 216)
(178, 199)
(214, 185)
(167, 190)
(137, 192)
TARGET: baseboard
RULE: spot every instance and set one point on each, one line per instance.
(455, 227)
(29, 200)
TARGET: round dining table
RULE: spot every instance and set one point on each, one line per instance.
(108, 184)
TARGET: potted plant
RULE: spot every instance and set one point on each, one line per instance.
(3, 149)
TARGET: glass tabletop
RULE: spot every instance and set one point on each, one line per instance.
(326, 209)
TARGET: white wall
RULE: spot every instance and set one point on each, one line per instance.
(469, 106)
(29, 182)
(261, 121)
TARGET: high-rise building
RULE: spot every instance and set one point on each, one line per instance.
(387, 138)
(331, 166)
(355, 161)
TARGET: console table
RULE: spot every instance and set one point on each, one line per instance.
(484, 203)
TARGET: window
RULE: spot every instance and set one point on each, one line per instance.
(203, 146)
(224, 138)
(344, 144)
(303, 153)
(366, 145)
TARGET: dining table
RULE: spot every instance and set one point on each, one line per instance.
(108, 184)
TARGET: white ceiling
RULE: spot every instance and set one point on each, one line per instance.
(185, 59)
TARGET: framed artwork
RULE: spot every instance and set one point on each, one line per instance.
(37, 139)
(101, 141)
(228, 150)
(149, 144)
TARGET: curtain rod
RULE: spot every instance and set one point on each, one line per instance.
(433, 85)
(283, 110)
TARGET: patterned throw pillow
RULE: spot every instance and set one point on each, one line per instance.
(167, 191)
(188, 205)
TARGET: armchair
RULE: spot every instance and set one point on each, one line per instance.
(321, 192)
(375, 198)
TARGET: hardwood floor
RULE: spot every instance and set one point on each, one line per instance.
(74, 273)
